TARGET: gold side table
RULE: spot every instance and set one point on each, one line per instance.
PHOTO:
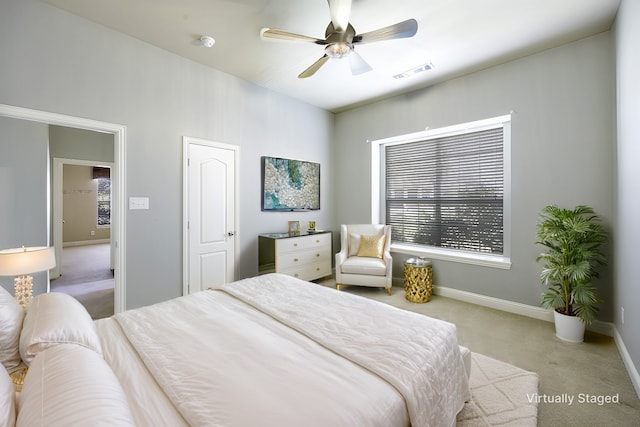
(418, 280)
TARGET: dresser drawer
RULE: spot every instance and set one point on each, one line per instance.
(318, 240)
(309, 271)
(308, 256)
(303, 242)
(293, 244)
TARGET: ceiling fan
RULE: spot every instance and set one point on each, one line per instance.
(340, 38)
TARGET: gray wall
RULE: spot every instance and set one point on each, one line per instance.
(80, 144)
(627, 246)
(23, 190)
(80, 207)
(562, 151)
(54, 61)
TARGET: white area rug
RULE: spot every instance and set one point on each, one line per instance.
(500, 395)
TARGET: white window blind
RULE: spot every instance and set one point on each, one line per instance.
(447, 192)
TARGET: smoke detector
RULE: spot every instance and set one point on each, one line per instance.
(207, 41)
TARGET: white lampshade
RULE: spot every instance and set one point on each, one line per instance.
(22, 261)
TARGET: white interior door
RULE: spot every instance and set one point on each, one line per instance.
(210, 229)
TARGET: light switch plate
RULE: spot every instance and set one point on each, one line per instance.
(138, 203)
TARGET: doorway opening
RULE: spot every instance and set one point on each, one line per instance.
(118, 208)
(81, 199)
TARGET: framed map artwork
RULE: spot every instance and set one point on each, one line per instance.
(290, 185)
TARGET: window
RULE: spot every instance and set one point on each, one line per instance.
(445, 192)
(103, 177)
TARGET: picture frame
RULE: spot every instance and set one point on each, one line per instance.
(294, 228)
(290, 185)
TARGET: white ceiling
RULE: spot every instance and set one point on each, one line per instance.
(456, 36)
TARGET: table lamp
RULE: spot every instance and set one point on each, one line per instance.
(21, 262)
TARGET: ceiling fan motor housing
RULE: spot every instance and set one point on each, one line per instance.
(339, 44)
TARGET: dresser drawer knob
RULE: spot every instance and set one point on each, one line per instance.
(317, 254)
(295, 260)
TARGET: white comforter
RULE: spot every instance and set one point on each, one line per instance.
(328, 358)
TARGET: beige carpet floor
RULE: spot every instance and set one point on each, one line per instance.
(86, 275)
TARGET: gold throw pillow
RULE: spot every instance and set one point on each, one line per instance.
(371, 246)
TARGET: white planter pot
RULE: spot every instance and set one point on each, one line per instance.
(569, 328)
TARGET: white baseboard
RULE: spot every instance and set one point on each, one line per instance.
(86, 242)
(628, 363)
(495, 303)
(491, 302)
(605, 328)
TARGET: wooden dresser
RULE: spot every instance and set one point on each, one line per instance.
(307, 256)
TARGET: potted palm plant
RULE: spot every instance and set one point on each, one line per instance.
(573, 240)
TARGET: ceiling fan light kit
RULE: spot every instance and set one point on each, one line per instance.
(340, 38)
(338, 50)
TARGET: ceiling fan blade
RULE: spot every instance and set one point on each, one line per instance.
(314, 67)
(400, 30)
(340, 11)
(358, 64)
(269, 33)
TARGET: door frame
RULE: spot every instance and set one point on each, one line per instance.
(58, 207)
(118, 201)
(186, 142)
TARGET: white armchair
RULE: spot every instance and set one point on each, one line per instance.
(364, 258)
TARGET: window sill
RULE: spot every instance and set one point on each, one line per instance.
(494, 261)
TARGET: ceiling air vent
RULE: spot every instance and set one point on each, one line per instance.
(409, 73)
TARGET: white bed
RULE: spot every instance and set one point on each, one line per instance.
(277, 351)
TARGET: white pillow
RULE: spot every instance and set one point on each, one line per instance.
(56, 318)
(68, 386)
(354, 244)
(11, 316)
(7, 400)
